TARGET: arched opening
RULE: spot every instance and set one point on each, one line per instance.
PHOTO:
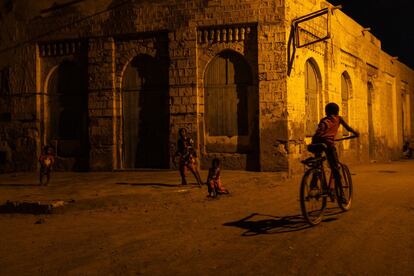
(231, 109)
(68, 115)
(145, 113)
(405, 115)
(346, 89)
(371, 133)
(313, 97)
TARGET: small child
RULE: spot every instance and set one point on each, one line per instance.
(188, 157)
(46, 160)
(213, 181)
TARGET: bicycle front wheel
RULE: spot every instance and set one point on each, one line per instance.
(312, 200)
(344, 189)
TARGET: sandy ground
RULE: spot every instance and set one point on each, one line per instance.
(144, 223)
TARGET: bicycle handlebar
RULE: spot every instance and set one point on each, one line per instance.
(346, 138)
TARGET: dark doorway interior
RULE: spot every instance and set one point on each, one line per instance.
(145, 113)
(68, 115)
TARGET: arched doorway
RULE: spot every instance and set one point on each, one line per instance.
(405, 115)
(68, 115)
(145, 113)
(313, 99)
(231, 106)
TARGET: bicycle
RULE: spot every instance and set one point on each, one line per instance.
(314, 189)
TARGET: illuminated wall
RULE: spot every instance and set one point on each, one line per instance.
(355, 53)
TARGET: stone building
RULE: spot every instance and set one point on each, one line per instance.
(108, 83)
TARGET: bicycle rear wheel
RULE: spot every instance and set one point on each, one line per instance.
(344, 190)
(312, 201)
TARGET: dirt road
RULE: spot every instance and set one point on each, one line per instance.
(143, 223)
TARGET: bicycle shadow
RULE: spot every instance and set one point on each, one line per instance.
(269, 225)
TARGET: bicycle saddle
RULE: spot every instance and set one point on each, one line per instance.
(317, 148)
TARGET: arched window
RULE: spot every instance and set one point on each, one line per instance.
(312, 97)
(405, 116)
(345, 95)
(227, 80)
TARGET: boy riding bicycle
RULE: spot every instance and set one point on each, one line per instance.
(326, 132)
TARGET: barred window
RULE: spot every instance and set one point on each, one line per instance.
(312, 97)
(345, 95)
(405, 116)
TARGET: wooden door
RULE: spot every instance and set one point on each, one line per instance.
(226, 90)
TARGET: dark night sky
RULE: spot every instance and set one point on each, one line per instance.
(390, 20)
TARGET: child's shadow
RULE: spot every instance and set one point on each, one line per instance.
(269, 225)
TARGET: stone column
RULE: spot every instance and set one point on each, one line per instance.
(272, 98)
(101, 106)
(183, 89)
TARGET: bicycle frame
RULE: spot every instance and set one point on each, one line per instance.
(319, 166)
(317, 163)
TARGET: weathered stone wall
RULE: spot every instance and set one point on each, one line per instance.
(103, 111)
(357, 52)
(189, 34)
(107, 57)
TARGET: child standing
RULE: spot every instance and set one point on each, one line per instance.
(213, 181)
(46, 160)
(187, 157)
